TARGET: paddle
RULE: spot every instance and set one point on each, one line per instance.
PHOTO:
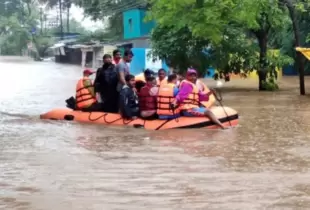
(218, 96)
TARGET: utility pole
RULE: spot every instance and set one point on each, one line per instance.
(68, 5)
(60, 17)
(299, 58)
(41, 20)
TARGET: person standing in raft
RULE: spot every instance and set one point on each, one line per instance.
(117, 57)
(162, 77)
(122, 69)
(189, 98)
(148, 98)
(105, 84)
(85, 94)
(128, 99)
(166, 95)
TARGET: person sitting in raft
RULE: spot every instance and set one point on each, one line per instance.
(189, 98)
(128, 99)
(180, 78)
(105, 84)
(117, 57)
(205, 90)
(148, 98)
(85, 94)
(162, 77)
(166, 95)
(122, 69)
(141, 81)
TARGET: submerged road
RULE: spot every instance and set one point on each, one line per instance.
(50, 165)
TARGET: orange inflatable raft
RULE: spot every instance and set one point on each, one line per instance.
(226, 115)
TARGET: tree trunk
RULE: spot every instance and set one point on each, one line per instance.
(262, 38)
(60, 17)
(68, 17)
(41, 21)
(299, 58)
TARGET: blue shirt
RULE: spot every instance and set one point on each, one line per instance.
(175, 91)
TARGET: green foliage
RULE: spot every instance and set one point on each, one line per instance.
(236, 53)
(205, 19)
(179, 48)
(42, 43)
(110, 10)
(270, 84)
(99, 9)
(238, 31)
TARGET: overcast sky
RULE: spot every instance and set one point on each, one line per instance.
(78, 14)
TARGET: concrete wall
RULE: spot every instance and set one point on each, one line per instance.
(146, 27)
(141, 61)
(131, 24)
(134, 24)
(141, 43)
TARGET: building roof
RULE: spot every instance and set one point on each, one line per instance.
(129, 41)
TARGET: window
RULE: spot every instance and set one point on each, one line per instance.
(130, 24)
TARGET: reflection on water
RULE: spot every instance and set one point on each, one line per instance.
(48, 165)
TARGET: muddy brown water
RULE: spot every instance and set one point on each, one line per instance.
(48, 165)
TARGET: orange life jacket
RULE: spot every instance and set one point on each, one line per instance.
(205, 90)
(140, 77)
(164, 98)
(192, 101)
(83, 96)
(146, 101)
(159, 83)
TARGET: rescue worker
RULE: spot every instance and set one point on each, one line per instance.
(85, 94)
(148, 98)
(122, 69)
(162, 77)
(189, 98)
(117, 57)
(205, 90)
(166, 95)
(128, 99)
(105, 84)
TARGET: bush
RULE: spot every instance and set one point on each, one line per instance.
(270, 84)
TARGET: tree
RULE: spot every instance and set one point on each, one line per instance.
(203, 18)
(179, 48)
(112, 10)
(210, 20)
(18, 28)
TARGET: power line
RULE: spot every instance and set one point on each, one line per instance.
(128, 5)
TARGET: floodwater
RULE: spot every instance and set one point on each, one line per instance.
(50, 165)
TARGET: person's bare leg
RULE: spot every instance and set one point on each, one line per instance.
(213, 118)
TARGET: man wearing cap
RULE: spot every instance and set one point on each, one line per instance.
(85, 94)
(189, 98)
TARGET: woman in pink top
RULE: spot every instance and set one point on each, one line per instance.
(185, 90)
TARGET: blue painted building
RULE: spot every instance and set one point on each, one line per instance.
(137, 37)
(134, 25)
